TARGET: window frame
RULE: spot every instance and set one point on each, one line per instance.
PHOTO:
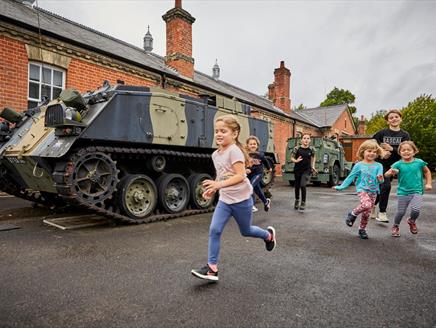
(41, 83)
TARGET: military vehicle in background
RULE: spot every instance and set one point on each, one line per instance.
(135, 154)
(330, 161)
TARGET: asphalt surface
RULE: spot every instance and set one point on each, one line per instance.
(320, 275)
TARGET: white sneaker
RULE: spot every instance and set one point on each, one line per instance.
(382, 217)
(254, 209)
(373, 214)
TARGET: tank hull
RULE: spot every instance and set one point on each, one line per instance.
(135, 154)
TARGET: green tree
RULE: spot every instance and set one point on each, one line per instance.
(300, 106)
(377, 122)
(340, 97)
(419, 119)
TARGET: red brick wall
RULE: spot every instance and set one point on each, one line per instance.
(179, 40)
(282, 131)
(179, 37)
(13, 74)
(342, 126)
(86, 76)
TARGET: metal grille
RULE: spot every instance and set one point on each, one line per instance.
(54, 115)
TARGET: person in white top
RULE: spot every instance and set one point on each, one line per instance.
(235, 193)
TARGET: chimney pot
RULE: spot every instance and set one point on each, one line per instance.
(178, 4)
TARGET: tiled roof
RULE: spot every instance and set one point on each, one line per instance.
(323, 116)
(58, 26)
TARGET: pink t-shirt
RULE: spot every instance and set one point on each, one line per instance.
(223, 161)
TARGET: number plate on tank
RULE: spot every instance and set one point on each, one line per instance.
(15, 160)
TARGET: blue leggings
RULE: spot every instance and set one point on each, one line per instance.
(242, 212)
(257, 189)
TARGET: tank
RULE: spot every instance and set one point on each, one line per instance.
(131, 153)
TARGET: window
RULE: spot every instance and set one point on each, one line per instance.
(44, 81)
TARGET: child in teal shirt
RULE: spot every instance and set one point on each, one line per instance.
(410, 172)
(369, 175)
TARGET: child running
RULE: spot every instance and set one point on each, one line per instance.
(304, 159)
(255, 171)
(389, 139)
(235, 193)
(369, 175)
(410, 171)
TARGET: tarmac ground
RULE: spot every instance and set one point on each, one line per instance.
(320, 275)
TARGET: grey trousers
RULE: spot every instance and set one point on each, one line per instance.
(415, 201)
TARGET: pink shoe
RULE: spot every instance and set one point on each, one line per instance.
(395, 231)
(412, 226)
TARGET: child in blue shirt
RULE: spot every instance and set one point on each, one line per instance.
(410, 172)
(369, 175)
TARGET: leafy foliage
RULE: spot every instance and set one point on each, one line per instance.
(340, 97)
(377, 122)
(419, 119)
(300, 106)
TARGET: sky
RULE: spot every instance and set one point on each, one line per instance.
(384, 52)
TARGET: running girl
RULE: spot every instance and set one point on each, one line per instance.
(369, 175)
(234, 194)
(255, 171)
(410, 171)
(304, 159)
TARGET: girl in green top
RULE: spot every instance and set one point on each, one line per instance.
(410, 171)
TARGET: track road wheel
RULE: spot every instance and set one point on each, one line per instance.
(334, 176)
(137, 196)
(173, 193)
(195, 182)
(268, 176)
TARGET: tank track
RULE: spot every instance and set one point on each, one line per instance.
(62, 174)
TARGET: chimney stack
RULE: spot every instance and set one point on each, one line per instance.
(361, 129)
(179, 40)
(279, 92)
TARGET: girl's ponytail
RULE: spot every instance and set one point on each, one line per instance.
(244, 151)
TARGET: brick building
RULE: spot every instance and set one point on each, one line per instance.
(42, 53)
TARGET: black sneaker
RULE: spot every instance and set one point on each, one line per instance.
(363, 234)
(302, 206)
(296, 204)
(205, 273)
(267, 205)
(270, 245)
(349, 219)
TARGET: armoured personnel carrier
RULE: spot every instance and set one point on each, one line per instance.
(135, 154)
(330, 161)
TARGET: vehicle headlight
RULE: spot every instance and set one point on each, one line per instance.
(72, 114)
